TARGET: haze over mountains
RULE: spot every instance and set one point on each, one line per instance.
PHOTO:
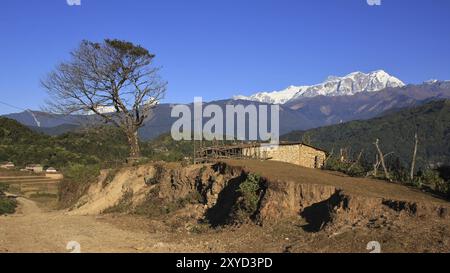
(357, 96)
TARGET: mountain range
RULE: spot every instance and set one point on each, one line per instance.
(363, 101)
(350, 84)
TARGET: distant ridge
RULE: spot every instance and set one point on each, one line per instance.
(350, 84)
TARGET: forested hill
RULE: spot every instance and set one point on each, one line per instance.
(396, 133)
(105, 146)
(22, 146)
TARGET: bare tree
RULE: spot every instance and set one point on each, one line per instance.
(343, 154)
(380, 155)
(328, 157)
(413, 162)
(356, 161)
(376, 164)
(115, 80)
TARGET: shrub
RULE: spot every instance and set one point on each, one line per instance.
(110, 176)
(7, 205)
(247, 204)
(81, 173)
(432, 179)
(4, 187)
(356, 170)
(334, 164)
(157, 177)
(249, 189)
(402, 175)
(124, 204)
(154, 206)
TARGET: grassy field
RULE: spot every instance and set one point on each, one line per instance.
(28, 183)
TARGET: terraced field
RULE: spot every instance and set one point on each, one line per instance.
(32, 184)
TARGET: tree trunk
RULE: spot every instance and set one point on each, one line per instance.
(375, 166)
(356, 162)
(386, 173)
(133, 142)
(413, 163)
(327, 158)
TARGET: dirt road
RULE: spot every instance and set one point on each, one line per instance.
(33, 230)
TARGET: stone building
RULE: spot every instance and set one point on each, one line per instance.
(37, 168)
(296, 153)
(7, 165)
(51, 170)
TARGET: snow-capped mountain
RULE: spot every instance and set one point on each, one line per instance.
(333, 86)
(278, 97)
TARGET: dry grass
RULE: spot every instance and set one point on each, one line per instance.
(273, 171)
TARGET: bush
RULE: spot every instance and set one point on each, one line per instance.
(81, 173)
(110, 176)
(334, 164)
(153, 206)
(402, 175)
(7, 205)
(4, 187)
(432, 179)
(124, 204)
(249, 189)
(247, 204)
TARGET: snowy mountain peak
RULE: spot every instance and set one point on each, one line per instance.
(350, 84)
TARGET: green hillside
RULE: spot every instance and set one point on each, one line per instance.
(22, 146)
(105, 146)
(396, 132)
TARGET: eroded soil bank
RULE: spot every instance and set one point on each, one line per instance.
(209, 198)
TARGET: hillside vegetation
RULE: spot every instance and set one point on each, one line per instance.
(102, 145)
(7, 205)
(353, 151)
(22, 146)
(395, 131)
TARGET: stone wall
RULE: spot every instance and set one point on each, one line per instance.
(310, 157)
(298, 154)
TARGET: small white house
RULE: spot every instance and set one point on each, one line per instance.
(51, 170)
(37, 168)
(7, 165)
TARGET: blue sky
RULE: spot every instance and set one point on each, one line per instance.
(219, 48)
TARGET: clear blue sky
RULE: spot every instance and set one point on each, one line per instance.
(218, 48)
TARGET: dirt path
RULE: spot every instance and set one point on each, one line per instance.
(33, 230)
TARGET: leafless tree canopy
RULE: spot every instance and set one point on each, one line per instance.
(112, 75)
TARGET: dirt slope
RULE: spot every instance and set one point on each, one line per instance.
(279, 171)
(334, 201)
